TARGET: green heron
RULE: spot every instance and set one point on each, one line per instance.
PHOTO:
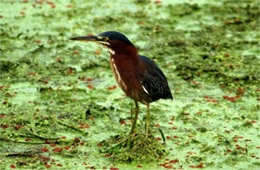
(138, 76)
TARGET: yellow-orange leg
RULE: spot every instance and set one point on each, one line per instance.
(147, 119)
(135, 118)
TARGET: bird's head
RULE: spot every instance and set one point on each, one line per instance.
(114, 40)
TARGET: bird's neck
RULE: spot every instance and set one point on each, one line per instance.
(124, 53)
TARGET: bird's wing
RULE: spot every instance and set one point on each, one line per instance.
(154, 81)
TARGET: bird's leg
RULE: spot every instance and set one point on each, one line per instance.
(147, 119)
(135, 118)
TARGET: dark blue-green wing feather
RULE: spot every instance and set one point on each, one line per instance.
(154, 81)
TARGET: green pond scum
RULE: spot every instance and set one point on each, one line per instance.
(137, 148)
(60, 107)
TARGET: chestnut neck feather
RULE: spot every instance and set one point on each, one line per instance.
(123, 51)
(125, 64)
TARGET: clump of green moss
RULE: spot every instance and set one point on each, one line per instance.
(135, 148)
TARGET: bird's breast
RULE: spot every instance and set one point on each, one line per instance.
(126, 75)
(117, 74)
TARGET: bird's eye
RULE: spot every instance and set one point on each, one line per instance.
(102, 38)
(106, 38)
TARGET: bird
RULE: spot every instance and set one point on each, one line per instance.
(137, 75)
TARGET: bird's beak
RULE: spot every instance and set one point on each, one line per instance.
(90, 38)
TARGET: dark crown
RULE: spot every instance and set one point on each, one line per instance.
(114, 35)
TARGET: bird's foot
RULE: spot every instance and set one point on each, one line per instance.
(133, 147)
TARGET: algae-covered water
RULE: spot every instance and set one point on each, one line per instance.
(59, 99)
